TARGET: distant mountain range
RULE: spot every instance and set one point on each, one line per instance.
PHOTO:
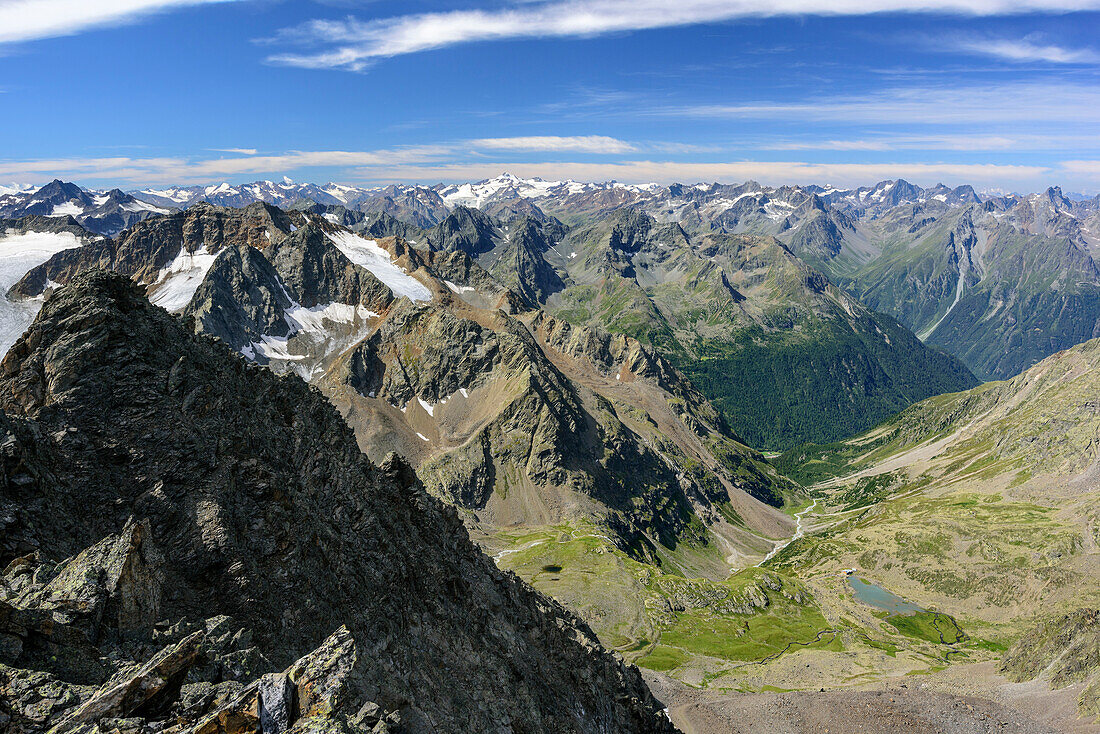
(998, 280)
(104, 212)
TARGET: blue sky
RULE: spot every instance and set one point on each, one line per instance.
(1003, 94)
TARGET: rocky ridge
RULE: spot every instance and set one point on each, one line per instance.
(273, 548)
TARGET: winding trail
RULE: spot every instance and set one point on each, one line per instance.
(509, 552)
(799, 531)
(533, 543)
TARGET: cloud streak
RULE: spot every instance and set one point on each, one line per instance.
(1064, 103)
(598, 144)
(29, 20)
(185, 170)
(1022, 50)
(961, 142)
(353, 44)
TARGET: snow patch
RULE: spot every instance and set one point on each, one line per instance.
(141, 206)
(459, 288)
(20, 253)
(177, 283)
(367, 254)
(428, 407)
(69, 208)
(300, 318)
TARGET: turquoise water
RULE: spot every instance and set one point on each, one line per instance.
(878, 597)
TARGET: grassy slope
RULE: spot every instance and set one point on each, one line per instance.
(982, 504)
(745, 632)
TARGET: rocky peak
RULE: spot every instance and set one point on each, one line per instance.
(60, 191)
(630, 230)
(470, 230)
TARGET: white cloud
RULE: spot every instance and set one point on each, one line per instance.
(353, 44)
(27, 20)
(238, 151)
(1023, 50)
(184, 170)
(580, 143)
(1091, 168)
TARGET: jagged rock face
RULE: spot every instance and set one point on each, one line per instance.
(515, 209)
(533, 420)
(241, 299)
(385, 224)
(522, 266)
(223, 491)
(316, 272)
(819, 238)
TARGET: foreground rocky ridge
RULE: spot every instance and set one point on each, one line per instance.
(237, 530)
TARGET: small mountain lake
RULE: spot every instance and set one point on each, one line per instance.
(878, 597)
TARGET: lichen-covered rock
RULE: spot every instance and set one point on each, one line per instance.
(146, 692)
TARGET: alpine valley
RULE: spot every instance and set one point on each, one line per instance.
(466, 457)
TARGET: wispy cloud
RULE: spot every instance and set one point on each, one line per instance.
(1001, 103)
(238, 151)
(353, 44)
(190, 170)
(1087, 168)
(975, 142)
(1029, 49)
(581, 143)
(28, 20)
